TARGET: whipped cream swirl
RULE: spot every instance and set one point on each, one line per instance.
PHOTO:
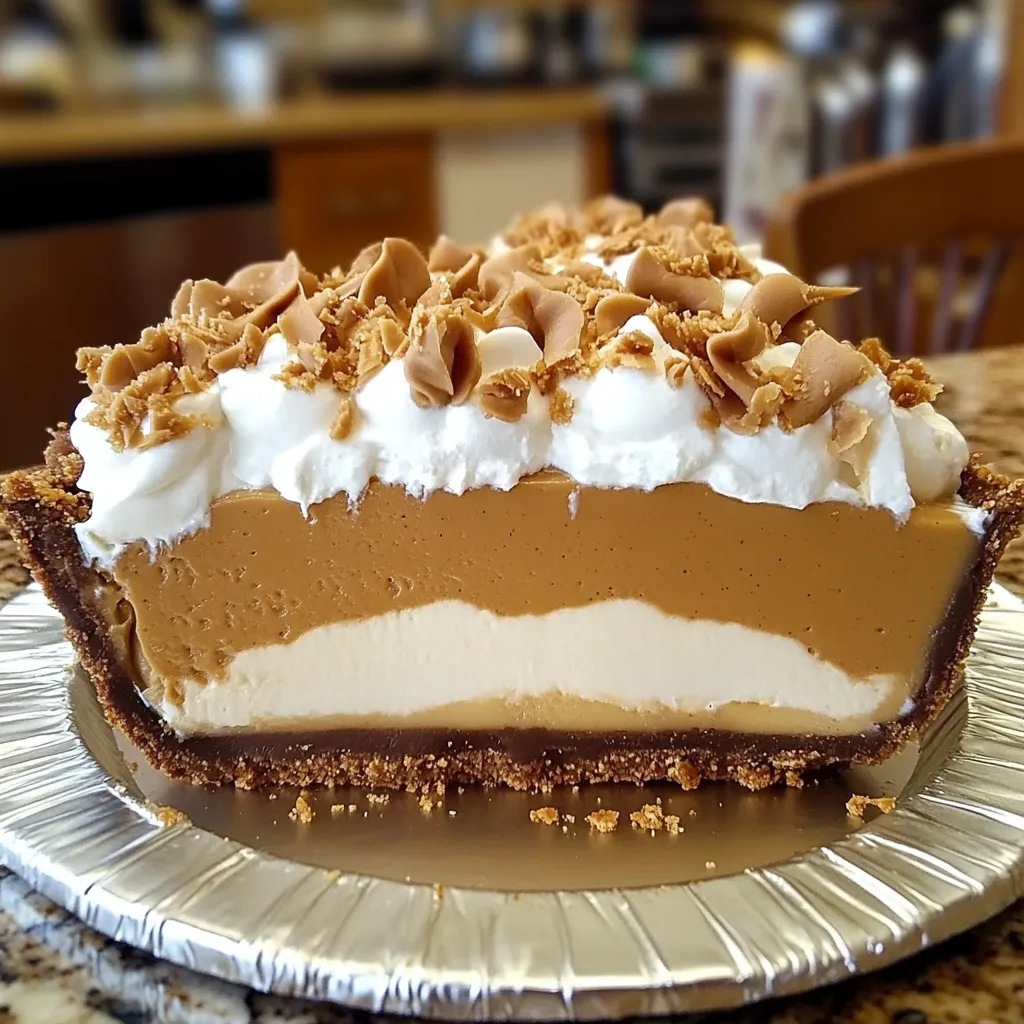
(629, 428)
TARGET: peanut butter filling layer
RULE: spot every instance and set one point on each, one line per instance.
(850, 585)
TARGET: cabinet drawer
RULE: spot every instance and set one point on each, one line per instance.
(333, 199)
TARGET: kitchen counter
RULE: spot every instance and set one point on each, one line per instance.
(54, 969)
(62, 136)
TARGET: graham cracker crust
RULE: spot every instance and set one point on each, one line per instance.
(42, 505)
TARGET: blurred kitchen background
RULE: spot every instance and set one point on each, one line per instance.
(143, 141)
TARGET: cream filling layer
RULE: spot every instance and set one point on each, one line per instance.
(452, 664)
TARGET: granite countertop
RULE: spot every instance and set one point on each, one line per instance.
(55, 970)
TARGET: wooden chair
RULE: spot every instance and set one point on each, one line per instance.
(933, 240)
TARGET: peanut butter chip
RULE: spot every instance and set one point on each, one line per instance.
(675, 370)
(496, 274)
(299, 324)
(590, 275)
(743, 398)
(826, 369)
(632, 351)
(372, 357)
(212, 299)
(649, 275)
(779, 298)
(126, 362)
(561, 407)
(442, 364)
(344, 419)
(705, 376)
(447, 255)
(763, 407)
(504, 395)
(681, 240)
(265, 289)
(182, 298)
(365, 258)
(614, 310)
(393, 338)
(399, 275)
(438, 294)
(261, 281)
(850, 425)
(254, 295)
(553, 318)
(729, 351)
(244, 352)
(467, 277)
(348, 285)
(685, 213)
(608, 215)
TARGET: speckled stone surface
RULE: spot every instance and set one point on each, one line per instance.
(54, 970)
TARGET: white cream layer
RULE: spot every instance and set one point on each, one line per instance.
(625, 652)
(629, 428)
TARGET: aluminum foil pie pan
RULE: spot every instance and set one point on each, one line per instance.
(466, 909)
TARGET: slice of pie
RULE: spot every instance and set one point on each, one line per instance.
(598, 502)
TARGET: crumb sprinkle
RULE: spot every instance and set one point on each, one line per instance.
(649, 818)
(168, 816)
(604, 820)
(544, 816)
(857, 805)
(302, 811)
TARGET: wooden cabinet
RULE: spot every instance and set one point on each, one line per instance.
(334, 198)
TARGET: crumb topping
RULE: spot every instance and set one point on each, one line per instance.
(504, 395)
(394, 302)
(650, 817)
(544, 816)
(909, 382)
(603, 820)
(686, 774)
(857, 805)
(168, 816)
(561, 407)
(302, 811)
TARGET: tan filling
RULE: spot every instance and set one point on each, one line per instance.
(569, 714)
(858, 590)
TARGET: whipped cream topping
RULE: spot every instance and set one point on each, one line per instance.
(630, 427)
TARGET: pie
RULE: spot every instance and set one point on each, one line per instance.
(596, 502)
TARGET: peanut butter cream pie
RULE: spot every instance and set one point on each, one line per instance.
(596, 502)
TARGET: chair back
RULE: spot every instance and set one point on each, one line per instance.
(932, 239)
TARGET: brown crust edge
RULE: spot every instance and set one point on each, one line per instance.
(42, 505)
